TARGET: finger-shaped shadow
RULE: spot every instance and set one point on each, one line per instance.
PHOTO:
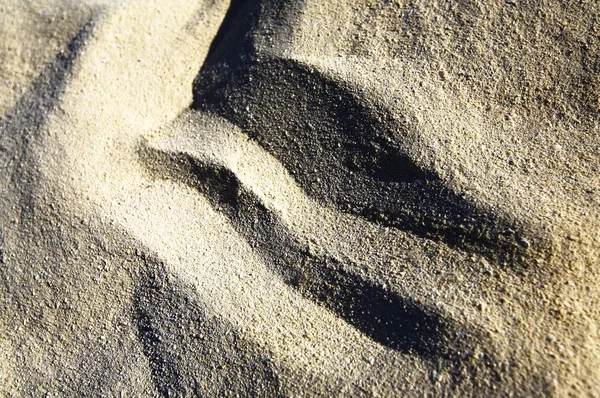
(341, 148)
(341, 153)
(21, 124)
(166, 317)
(400, 323)
(36, 104)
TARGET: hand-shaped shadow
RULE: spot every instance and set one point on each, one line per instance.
(264, 205)
(342, 149)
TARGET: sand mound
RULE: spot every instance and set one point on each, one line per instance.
(266, 198)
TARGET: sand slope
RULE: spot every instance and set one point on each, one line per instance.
(284, 198)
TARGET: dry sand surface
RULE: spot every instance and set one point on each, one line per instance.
(299, 198)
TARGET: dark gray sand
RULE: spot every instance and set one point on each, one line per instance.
(299, 198)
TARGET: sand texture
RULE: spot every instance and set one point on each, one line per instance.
(299, 198)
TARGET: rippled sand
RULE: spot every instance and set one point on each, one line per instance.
(299, 198)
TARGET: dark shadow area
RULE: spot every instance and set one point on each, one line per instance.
(34, 107)
(341, 148)
(165, 374)
(189, 353)
(240, 18)
(346, 152)
(22, 124)
(399, 323)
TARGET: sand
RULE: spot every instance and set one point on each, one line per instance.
(299, 198)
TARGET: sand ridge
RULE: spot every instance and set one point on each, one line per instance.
(282, 198)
